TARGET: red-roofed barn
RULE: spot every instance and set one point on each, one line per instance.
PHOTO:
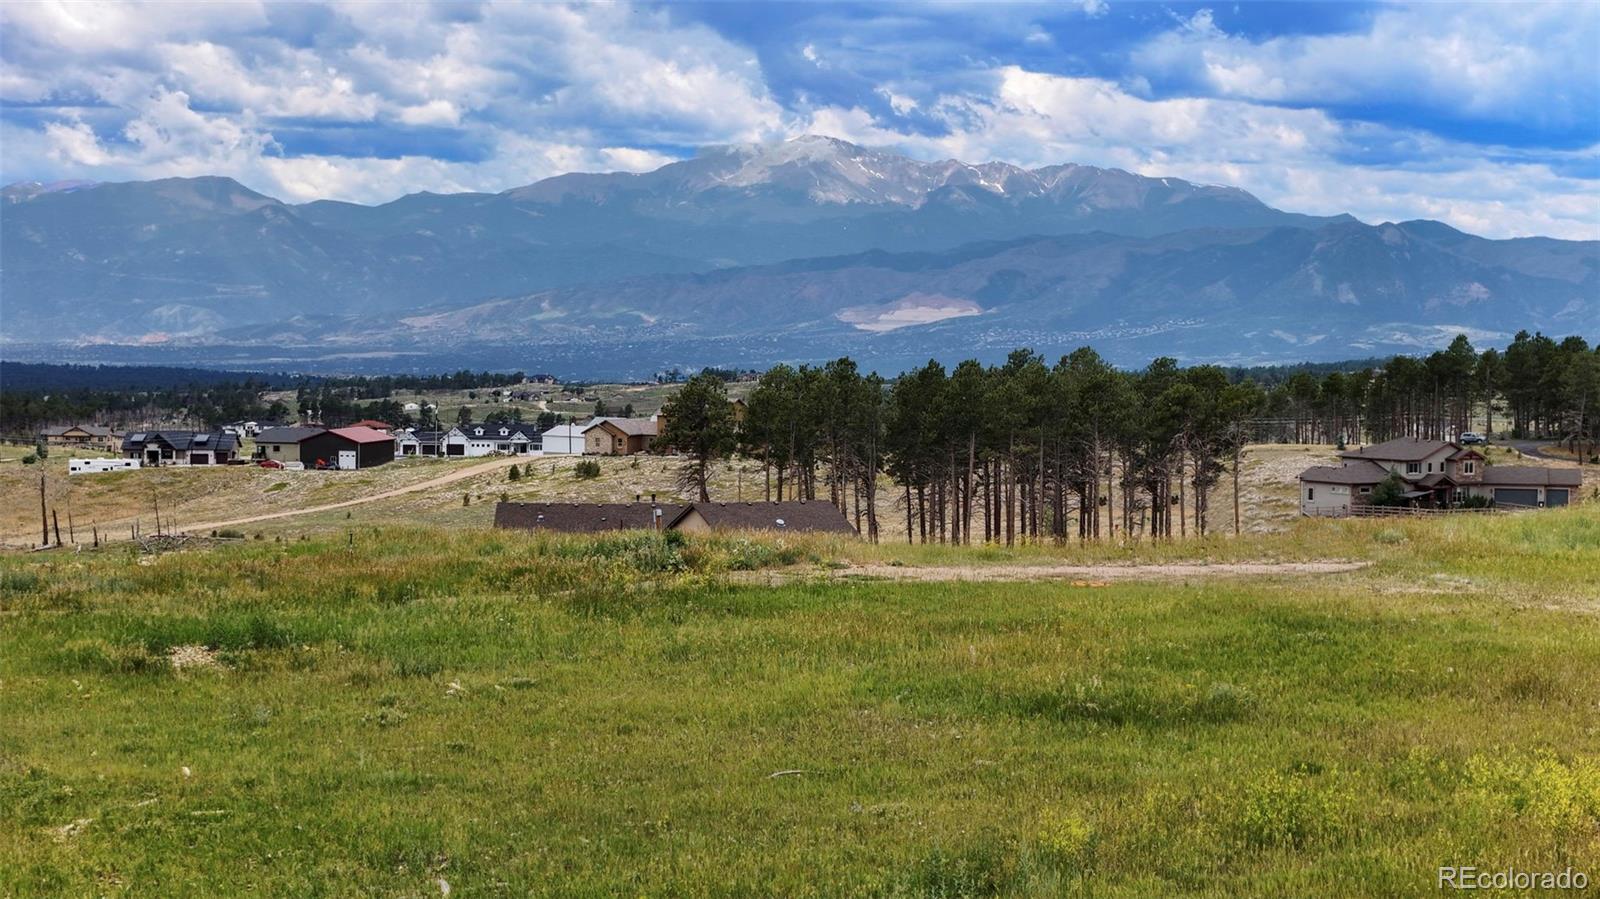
(353, 447)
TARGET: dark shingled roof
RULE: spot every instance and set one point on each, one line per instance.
(583, 518)
(422, 436)
(1363, 472)
(286, 435)
(1531, 476)
(528, 429)
(1404, 449)
(785, 516)
(182, 440)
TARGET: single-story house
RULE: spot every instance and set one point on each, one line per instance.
(511, 438)
(586, 518)
(618, 436)
(283, 444)
(418, 443)
(563, 440)
(347, 448)
(1436, 474)
(92, 436)
(153, 448)
(788, 517)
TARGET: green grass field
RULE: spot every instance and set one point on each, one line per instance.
(519, 715)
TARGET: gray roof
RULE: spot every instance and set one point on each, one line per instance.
(287, 434)
(583, 518)
(183, 440)
(528, 429)
(1362, 472)
(784, 516)
(421, 436)
(1404, 449)
(1531, 476)
(633, 427)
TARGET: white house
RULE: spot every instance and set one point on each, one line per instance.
(482, 439)
(564, 440)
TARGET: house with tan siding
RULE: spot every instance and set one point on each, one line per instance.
(1437, 474)
(619, 436)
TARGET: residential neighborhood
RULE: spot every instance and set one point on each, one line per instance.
(1434, 474)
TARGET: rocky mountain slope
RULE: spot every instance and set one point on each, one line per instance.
(813, 236)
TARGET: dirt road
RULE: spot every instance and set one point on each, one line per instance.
(457, 475)
(1086, 575)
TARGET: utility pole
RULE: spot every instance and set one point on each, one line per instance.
(44, 523)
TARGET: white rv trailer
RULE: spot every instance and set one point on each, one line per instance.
(100, 466)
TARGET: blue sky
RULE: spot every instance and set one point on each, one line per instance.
(1484, 116)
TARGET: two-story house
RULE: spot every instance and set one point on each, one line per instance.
(1436, 474)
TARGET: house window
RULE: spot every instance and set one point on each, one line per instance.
(1413, 468)
(1366, 489)
(1469, 466)
(1311, 493)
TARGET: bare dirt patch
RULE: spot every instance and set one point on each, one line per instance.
(1080, 575)
(192, 657)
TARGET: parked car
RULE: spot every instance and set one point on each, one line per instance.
(270, 463)
(1471, 437)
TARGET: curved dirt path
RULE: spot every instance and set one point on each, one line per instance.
(1087, 575)
(457, 475)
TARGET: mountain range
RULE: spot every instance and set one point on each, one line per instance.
(811, 244)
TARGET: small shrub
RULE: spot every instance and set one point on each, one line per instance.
(1390, 536)
(1224, 702)
(986, 868)
(515, 474)
(29, 459)
(1290, 811)
(100, 656)
(1063, 842)
(586, 469)
(229, 534)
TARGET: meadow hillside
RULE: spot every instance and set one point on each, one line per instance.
(417, 711)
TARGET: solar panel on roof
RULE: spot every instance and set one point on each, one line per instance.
(201, 438)
(137, 438)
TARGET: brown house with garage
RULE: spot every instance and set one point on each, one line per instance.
(1437, 474)
(619, 436)
(88, 436)
(283, 444)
